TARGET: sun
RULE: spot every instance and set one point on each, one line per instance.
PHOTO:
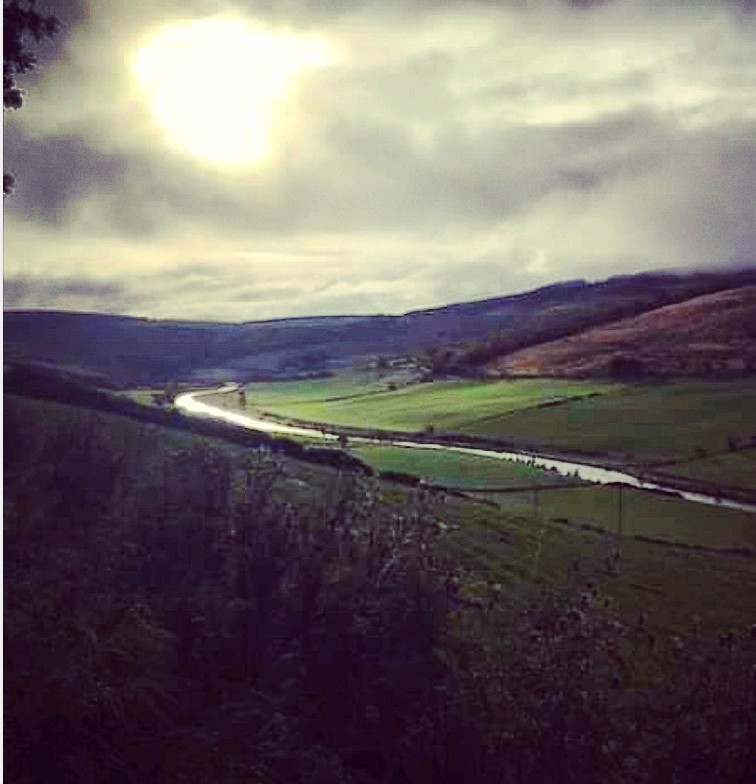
(217, 87)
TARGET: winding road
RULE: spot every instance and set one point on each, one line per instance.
(190, 404)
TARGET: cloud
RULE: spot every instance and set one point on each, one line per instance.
(65, 294)
(454, 150)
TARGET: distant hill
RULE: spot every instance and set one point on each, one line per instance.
(710, 335)
(455, 339)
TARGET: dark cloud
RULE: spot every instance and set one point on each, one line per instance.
(28, 292)
(53, 172)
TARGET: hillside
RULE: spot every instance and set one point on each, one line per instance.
(710, 335)
(456, 339)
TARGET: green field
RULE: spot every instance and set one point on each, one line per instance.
(678, 587)
(446, 405)
(665, 421)
(452, 469)
(641, 513)
(652, 422)
(692, 422)
(734, 469)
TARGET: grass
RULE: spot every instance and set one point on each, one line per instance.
(689, 421)
(681, 589)
(445, 405)
(341, 385)
(143, 396)
(643, 513)
(452, 469)
(734, 469)
(673, 421)
(666, 421)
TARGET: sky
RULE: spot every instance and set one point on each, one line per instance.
(256, 159)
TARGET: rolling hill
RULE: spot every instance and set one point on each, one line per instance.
(710, 335)
(456, 339)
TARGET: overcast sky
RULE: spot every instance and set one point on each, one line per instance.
(428, 152)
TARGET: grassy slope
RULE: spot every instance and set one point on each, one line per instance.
(711, 331)
(502, 545)
(645, 514)
(677, 587)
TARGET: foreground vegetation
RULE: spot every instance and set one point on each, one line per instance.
(181, 610)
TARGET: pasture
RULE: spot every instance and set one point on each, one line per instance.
(639, 513)
(448, 406)
(645, 422)
(452, 469)
(732, 469)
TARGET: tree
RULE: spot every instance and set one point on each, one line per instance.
(171, 391)
(22, 22)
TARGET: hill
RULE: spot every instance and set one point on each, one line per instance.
(710, 335)
(456, 339)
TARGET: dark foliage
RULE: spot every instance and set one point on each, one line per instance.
(172, 616)
(170, 620)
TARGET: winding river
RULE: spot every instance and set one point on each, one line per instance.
(190, 404)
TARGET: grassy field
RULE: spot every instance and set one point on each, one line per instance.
(734, 469)
(689, 422)
(642, 513)
(452, 469)
(680, 588)
(445, 405)
(665, 421)
(645, 422)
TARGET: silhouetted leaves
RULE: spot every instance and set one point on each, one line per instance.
(23, 25)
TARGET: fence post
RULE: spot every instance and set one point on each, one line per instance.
(619, 509)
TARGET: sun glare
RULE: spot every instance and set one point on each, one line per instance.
(216, 87)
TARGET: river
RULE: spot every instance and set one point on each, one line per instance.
(189, 404)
